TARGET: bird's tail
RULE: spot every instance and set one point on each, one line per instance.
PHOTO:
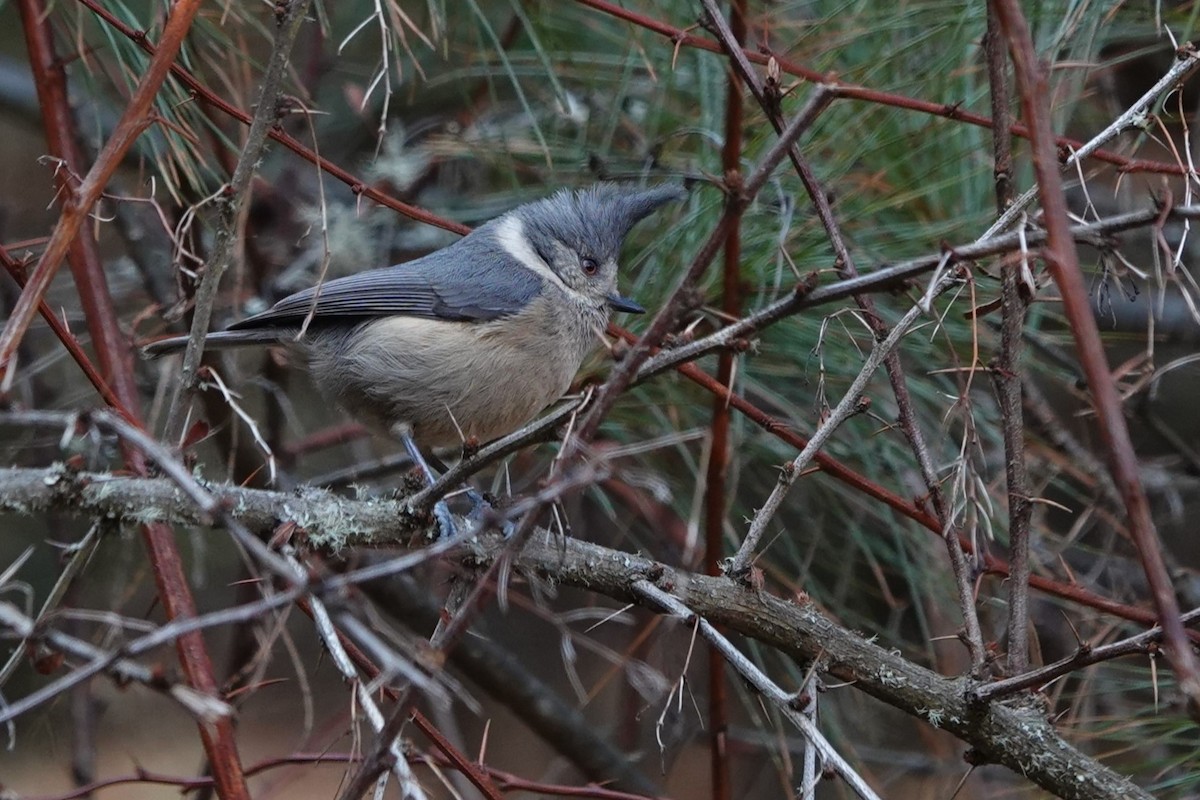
(220, 340)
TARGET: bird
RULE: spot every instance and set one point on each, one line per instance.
(474, 340)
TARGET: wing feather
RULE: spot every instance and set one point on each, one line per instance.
(467, 281)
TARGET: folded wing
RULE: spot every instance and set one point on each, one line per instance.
(466, 282)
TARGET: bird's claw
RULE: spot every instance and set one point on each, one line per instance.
(484, 513)
(447, 528)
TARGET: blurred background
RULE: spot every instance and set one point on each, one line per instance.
(469, 108)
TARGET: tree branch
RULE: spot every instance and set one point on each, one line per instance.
(1018, 738)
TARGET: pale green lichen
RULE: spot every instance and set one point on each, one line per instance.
(332, 522)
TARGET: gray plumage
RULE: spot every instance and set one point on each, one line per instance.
(473, 340)
(459, 283)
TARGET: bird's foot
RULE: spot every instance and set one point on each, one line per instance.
(484, 513)
(447, 528)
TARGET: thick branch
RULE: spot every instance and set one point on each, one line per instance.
(1018, 738)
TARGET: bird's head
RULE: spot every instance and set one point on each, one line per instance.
(577, 235)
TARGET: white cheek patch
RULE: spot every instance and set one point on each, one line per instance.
(510, 233)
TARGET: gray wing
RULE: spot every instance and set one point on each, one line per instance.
(471, 280)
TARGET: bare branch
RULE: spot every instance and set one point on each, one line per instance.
(1063, 263)
(1018, 738)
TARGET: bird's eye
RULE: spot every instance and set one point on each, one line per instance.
(589, 265)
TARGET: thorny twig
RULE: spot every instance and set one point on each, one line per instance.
(1063, 263)
(846, 408)
(1187, 61)
(889, 277)
(906, 412)
(782, 701)
(1086, 655)
(176, 628)
(206, 708)
(236, 193)
(505, 780)
(407, 782)
(1007, 372)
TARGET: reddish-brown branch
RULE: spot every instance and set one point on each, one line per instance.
(506, 780)
(1063, 264)
(851, 91)
(204, 94)
(715, 490)
(474, 772)
(77, 201)
(68, 340)
(71, 239)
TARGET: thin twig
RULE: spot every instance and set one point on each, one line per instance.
(888, 278)
(782, 701)
(1187, 61)
(1085, 656)
(205, 707)
(539, 429)
(847, 407)
(1062, 261)
(506, 780)
(236, 193)
(81, 553)
(407, 782)
(1007, 372)
(181, 627)
(510, 680)
(68, 340)
(476, 773)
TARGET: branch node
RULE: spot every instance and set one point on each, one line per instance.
(806, 285)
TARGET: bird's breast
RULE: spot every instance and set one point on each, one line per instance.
(452, 381)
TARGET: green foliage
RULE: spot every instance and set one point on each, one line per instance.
(509, 99)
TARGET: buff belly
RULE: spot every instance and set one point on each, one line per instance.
(449, 381)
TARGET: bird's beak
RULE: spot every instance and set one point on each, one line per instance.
(624, 304)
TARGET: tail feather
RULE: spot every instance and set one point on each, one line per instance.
(219, 340)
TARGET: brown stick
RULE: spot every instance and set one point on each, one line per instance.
(719, 452)
(70, 238)
(78, 203)
(1007, 374)
(1063, 264)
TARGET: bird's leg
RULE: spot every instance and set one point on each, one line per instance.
(481, 508)
(441, 511)
(480, 505)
